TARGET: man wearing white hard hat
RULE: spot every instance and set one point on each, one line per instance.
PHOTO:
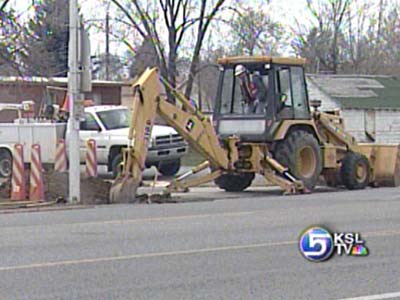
(248, 88)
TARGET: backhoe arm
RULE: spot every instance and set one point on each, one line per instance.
(189, 122)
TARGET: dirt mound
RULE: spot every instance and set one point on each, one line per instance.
(93, 190)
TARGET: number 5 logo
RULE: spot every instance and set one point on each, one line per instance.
(316, 244)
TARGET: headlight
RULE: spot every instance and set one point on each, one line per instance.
(152, 142)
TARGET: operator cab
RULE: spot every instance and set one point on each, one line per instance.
(255, 94)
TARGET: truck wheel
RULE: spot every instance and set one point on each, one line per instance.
(116, 165)
(355, 171)
(5, 163)
(234, 182)
(300, 153)
(169, 168)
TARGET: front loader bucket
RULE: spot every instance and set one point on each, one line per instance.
(124, 189)
(385, 163)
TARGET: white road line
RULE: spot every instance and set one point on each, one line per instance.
(143, 255)
(376, 297)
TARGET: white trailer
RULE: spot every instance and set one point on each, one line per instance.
(44, 134)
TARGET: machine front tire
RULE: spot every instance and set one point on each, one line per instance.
(234, 182)
(300, 153)
(355, 171)
(5, 163)
(169, 168)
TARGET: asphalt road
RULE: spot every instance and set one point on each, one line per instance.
(242, 246)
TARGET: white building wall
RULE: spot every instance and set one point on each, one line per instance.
(354, 123)
(314, 93)
(387, 125)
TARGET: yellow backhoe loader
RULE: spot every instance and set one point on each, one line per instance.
(263, 123)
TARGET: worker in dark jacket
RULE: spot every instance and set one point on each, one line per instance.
(253, 89)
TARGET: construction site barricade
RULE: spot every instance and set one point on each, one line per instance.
(36, 186)
(60, 161)
(91, 158)
(18, 192)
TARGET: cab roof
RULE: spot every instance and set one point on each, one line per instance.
(234, 60)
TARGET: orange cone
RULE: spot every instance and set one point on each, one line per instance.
(36, 186)
(18, 174)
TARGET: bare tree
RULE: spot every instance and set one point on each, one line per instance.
(389, 42)
(11, 32)
(321, 42)
(373, 38)
(178, 16)
(358, 43)
(3, 5)
(254, 32)
(37, 47)
(143, 57)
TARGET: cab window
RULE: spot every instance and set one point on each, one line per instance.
(300, 104)
(284, 94)
(89, 123)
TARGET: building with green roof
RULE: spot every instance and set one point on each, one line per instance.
(369, 105)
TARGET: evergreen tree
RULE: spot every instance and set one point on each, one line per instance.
(46, 40)
(10, 32)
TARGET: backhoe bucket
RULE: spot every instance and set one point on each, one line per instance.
(124, 189)
(385, 163)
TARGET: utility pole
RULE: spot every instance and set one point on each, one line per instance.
(73, 91)
(108, 43)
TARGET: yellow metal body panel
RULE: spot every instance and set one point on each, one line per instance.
(329, 154)
(287, 124)
(146, 92)
(332, 130)
(200, 134)
(384, 161)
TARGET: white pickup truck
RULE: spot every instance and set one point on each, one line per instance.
(108, 125)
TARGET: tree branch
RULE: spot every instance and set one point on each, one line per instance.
(3, 5)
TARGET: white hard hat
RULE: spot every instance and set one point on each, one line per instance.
(240, 69)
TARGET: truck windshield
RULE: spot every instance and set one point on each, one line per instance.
(114, 119)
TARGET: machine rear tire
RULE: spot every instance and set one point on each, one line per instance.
(5, 163)
(234, 182)
(300, 153)
(355, 171)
